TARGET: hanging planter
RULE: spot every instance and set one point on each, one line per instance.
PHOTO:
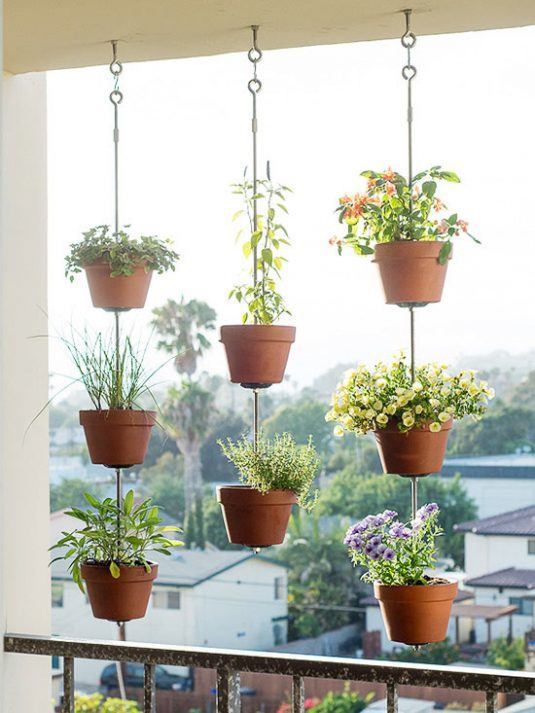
(257, 354)
(257, 350)
(115, 570)
(275, 475)
(119, 268)
(407, 228)
(118, 599)
(396, 556)
(410, 414)
(411, 271)
(117, 438)
(417, 614)
(418, 451)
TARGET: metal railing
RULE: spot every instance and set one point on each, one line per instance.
(228, 665)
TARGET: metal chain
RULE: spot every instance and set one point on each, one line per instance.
(254, 85)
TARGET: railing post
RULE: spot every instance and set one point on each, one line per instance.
(149, 689)
(228, 691)
(68, 685)
(298, 695)
(492, 702)
(391, 698)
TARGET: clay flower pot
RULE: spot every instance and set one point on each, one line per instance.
(416, 452)
(257, 354)
(120, 599)
(416, 614)
(410, 271)
(117, 438)
(120, 293)
(253, 519)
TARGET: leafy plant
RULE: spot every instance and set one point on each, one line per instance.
(393, 552)
(263, 302)
(120, 251)
(279, 464)
(390, 211)
(114, 378)
(370, 399)
(114, 536)
(507, 654)
(95, 703)
(346, 702)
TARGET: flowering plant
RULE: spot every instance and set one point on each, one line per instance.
(390, 210)
(369, 399)
(263, 302)
(393, 552)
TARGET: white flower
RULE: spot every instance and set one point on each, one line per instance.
(443, 417)
(382, 418)
(435, 427)
(417, 386)
(338, 431)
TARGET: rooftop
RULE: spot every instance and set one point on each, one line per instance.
(511, 577)
(515, 522)
(505, 466)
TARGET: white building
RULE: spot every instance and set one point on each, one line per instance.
(496, 483)
(213, 598)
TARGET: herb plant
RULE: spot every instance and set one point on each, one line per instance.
(263, 302)
(114, 536)
(370, 399)
(279, 464)
(390, 211)
(392, 552)
(120, 251)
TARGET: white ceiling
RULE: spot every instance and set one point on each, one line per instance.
(55, 34)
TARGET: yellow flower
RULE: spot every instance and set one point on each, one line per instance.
(435, 403)
(445, 391)
(417, 386)
(408, 419)
(330, 416)
(490, 393)
(391, 409)
(464, 383)
(443, 417)
(418, 409)
(382, 419)
(435, 427)
(338, 431)
(380, 383)
(377, 405)
(370, 413)
(347, 422)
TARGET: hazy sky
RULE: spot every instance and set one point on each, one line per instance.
(326, 114)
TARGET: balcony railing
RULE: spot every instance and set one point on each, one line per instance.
(229, 664)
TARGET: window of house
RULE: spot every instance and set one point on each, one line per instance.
(531, 547)
(57, 594)
(166, 600)
(525, 606)
(279, 587)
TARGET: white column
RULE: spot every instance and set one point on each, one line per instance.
(24, 496)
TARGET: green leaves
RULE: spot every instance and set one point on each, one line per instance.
(444, 253)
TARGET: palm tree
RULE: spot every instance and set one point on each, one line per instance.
(188, 408)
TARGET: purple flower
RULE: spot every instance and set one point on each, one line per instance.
(389, 514)
(381, 549)
(375, 541)
(369, 548)
(355, 544)
(374, 555)
(388, 554)
(431, 507)
(379, 520)
(398, 529)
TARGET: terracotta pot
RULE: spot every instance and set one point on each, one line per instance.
(117, 293)
(117, 438)
(416, 452)
(119, 599)
(253, 519)
(416, 614)
(410, 271)
(257, 354)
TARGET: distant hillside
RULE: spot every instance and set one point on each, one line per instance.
(325, 383)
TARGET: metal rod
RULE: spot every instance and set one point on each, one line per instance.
(298, 694)
(414, 495)
(254, 86)
(68, 685)
(228, 691)
(149, 689)
(408, 40)
(413, 344)
(256, 418)
(391, 698)
(491, 702)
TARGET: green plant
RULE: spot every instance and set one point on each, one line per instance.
(114, 535)
(346, 702)
(121, 252)
(95, 703)
(114, 377)
(279, 464)
(263, 303)
(369, 399)
(390, 211)
(393, 552)
(507, 654)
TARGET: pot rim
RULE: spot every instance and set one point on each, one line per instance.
(414, 249)
(448, 425)
(114, 413)
(254, 496)
(257, 332)
(105, 565)
(440, 591)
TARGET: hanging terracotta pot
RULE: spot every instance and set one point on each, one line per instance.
(121, 599)
(416, 614)
(257, 354)
(120, 293)
(118, 438)
(254, 519)
(416, 452)
(410, 271)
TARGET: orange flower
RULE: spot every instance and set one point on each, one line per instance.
(345, 199)
(443, 227)
(463, 225)
(438, 204)
(389, 174)
(390, 189)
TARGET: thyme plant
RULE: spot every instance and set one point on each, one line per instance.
(279, 464)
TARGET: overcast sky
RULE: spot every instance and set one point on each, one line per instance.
(326, 114)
